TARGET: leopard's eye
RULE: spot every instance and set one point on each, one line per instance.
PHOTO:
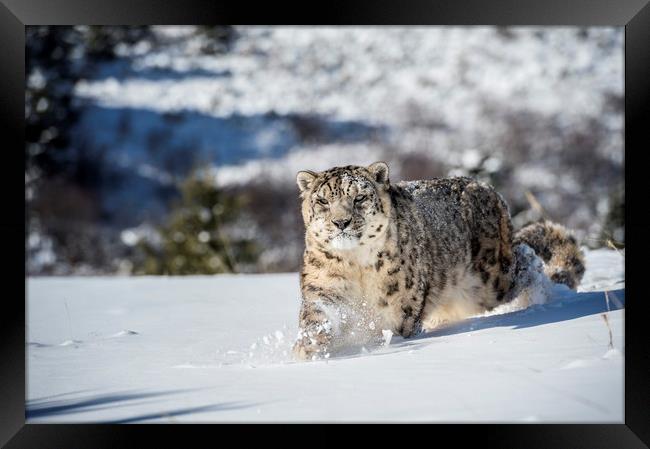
(360, 199)
(322, 201)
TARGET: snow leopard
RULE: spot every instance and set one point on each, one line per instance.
(411, 256)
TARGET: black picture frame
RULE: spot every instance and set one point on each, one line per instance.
(634, 15)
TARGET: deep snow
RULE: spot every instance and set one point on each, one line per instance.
(215, 349)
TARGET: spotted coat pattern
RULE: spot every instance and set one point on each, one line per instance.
(412, 255)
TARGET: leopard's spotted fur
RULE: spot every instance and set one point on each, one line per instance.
(406, 256)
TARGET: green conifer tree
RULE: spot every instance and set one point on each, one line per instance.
(193, 240)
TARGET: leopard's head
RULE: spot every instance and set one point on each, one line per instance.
(345, 207)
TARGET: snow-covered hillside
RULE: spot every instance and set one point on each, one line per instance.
(418, 89)
(215, 349)
(535, 111)
(290, 98)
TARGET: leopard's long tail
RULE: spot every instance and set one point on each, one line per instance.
(557, 247)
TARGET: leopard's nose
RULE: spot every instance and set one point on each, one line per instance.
(342, 223)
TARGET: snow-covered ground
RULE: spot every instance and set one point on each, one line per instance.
(215, 349)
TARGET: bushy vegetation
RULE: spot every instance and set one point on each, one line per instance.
(192, 240)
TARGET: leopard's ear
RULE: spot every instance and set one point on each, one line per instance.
(305, 179)
(379, 172)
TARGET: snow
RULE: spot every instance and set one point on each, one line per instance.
(327, 70)
(395, 79)
(217, 349)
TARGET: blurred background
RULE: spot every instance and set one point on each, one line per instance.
(174, 149)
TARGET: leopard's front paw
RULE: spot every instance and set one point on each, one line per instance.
(309, 352)
(311, 346)
(301, 352)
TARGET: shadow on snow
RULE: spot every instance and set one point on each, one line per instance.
(574, 305)
(567, 306)
(47, 407)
